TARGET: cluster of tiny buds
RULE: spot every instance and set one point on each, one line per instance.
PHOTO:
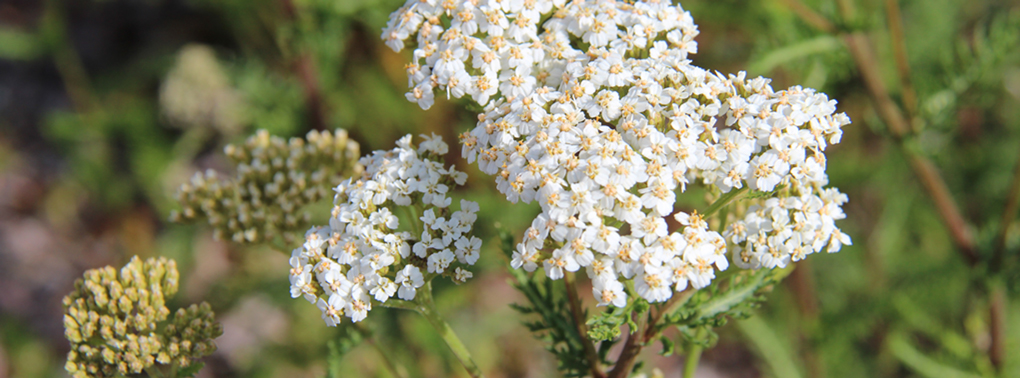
(367, 253)
(197, 93)
(117, 324)
(602, 119)
(275, 180)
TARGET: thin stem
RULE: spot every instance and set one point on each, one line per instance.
(390, 365)
(926, 172)
(154, 372)
(654, 328)
(427, 308)
(847, 10)
(401, 304)
(575, 309)
(810, 16)
(631, 348)
(899, 47)
(723, 200)
(66, 59)
(801, 282)
(693, 355)
(997, 326)
(306, 72)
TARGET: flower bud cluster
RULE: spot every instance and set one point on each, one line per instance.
(601, 118)
(118, 324)
(365, 254)
(275, 179)
(197, 93)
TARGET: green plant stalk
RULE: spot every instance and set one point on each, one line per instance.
(387, 361)
(919, 362)
(154, 372)
(768, 345)
(693, 355)
(723, 200)
(427, 308)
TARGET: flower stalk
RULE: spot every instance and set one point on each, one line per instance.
(426, 306)
(569, 280)
(693, 356)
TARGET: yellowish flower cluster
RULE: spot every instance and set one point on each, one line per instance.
(275, 179)
(119, 324)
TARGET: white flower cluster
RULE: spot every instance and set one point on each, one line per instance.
(599, 116)
(364, 254)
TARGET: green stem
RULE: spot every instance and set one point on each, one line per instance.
(154, 372)
(693, 355)
(390, 365)
(427, 308)
(724, 200)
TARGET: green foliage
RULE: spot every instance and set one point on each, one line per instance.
(898, 303)
(732, 297)
(554, 326)
(349, 338)
(970, 71)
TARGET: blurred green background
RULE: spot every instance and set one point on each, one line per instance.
(107, 106)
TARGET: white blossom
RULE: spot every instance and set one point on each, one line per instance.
(364, 255)
(594, 110)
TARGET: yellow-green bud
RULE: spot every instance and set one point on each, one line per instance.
(271, 172)
(130, 314)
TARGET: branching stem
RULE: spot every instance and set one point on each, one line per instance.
(427, 307)
(631, 348)
(387, 361)
(899, 46)
(578, 314)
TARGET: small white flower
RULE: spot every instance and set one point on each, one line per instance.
(609, 292)
(438, 262)
(461, 275)
(410, 279)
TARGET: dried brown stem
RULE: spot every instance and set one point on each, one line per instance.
(309, 78)
(802, 285)
(653, 330)
(631, 349)
(899, 47)
(899, 127)
(810, 16)
(578, 313)
(997, 326)
(644, 333)
(307, 74)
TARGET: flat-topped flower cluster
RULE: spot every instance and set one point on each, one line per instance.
(118, 323)
(593, 109)
(364, 254)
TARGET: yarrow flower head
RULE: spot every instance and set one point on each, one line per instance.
(367, 254)
(592, 109)
(275, 180)
(119, 324)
